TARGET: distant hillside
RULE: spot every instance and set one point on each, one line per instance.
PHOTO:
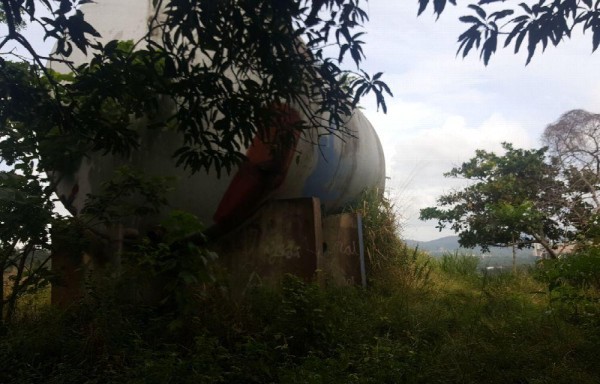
(496, 256)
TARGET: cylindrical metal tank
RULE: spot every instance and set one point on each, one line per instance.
(336, 170)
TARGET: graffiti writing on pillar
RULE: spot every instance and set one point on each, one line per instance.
(277, 251)
(346, 248)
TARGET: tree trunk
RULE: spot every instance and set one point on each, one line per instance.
(514, 255)
(547, 247)
(17, 286)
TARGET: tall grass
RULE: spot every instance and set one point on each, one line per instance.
(458, 265)
(421, 321)
(500, 331)
(390, 261)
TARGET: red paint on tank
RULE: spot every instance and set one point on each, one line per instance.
(266, 166)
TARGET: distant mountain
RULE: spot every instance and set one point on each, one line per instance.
(496, 256)
(439, 246)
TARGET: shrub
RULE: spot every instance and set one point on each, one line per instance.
(574, 285)
(579, 270)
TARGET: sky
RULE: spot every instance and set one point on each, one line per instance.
(445, 107)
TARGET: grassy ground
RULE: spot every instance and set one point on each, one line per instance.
(450, 325)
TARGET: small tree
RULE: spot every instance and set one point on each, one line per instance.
(574, 141)
(516, 199)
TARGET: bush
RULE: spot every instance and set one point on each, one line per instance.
(574, 285)
(578, 270)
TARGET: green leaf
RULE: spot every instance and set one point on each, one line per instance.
(596, 35)
(501, 14)
(470, 19)
(479, 11)
(438, 6)
(489, 47)
(422, 6)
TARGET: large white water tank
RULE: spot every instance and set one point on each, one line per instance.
(336, 170)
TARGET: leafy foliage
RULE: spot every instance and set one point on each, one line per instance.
(217, 73)
(580, 270)
(573, 283)
(67, 24)
(515, 199)
(458, 265)
(128, 195)
(536, 23)
(26, 195)
(171, 269)
(25, 218)
(388, 257)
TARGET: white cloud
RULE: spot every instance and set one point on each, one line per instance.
(421, 144)
(446, 107)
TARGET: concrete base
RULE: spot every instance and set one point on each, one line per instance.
(284, 236)
(68, 285)
(341, 250)
(291, 236)
(76, 261)
(70, 266)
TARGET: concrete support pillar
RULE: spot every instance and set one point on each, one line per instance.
(75, 260)
(285, 236)
(341, 250)
(68, 267)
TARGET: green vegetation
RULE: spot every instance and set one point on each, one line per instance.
(527, 197)
(459, 327)
(422, 320)
(389, 259)
(458, 265)
(217, 105)
(516, 199)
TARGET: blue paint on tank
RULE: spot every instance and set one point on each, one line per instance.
(317, 184)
